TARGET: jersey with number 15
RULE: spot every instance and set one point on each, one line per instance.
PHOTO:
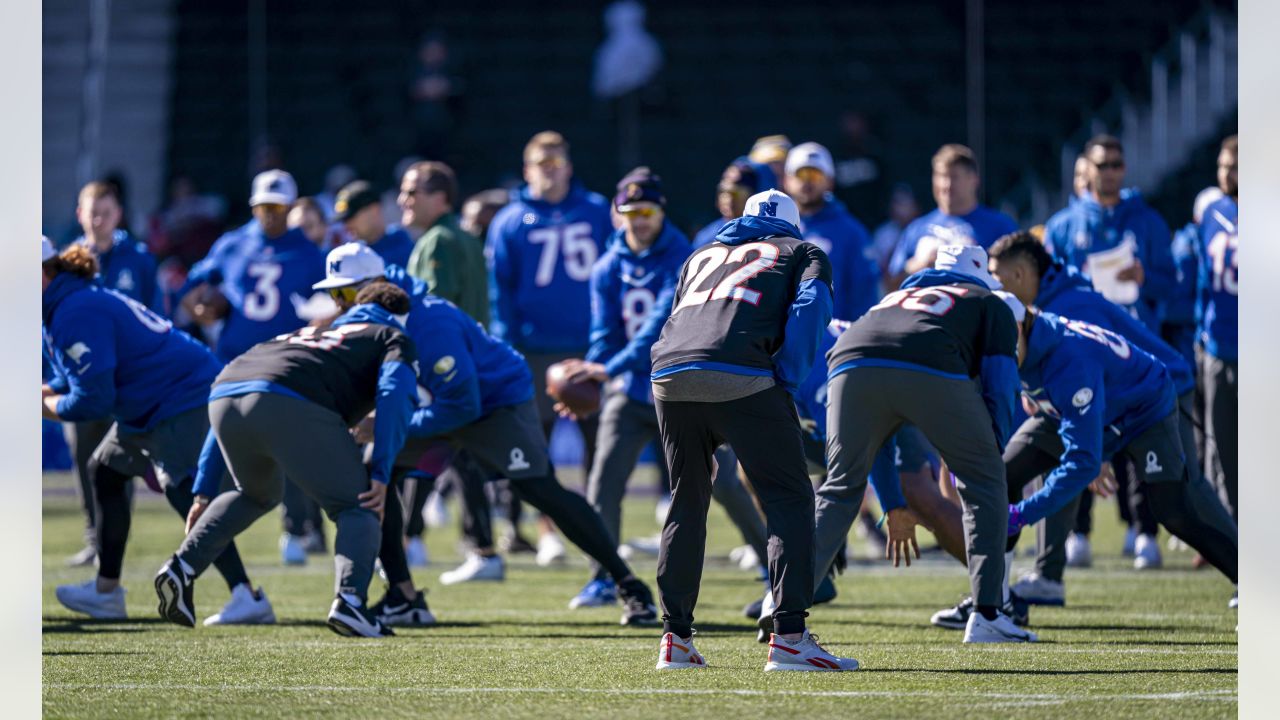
(540, 259)
(264, 281)
(1218, 304)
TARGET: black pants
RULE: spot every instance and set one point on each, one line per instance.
(764, 431)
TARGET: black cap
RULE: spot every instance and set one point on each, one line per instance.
(353, 198)
(640, 185)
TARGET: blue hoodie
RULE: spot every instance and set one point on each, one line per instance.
(465, 372)
(631, 297)
(1064, 291)
(981, 226)
(398, 276)
(1181, 309)
(113, 358)
(264, 281)
(1103, 390)
(1218, 306)
(395, 246)
(540, 259)
(855, 276)
(128, 268)
(707, 234)
(1086, 227)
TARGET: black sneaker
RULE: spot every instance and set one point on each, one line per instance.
(350, 620)
(752, 609)
(516, 544)
(176, 591)
(396, 610)
(637, 603)
(957, 618)
(1018, 610)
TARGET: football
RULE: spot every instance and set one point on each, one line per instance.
(583, 398)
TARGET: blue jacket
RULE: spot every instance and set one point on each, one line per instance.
(1217, 308)
(129, 269)
(540, 259)
(707, 234)
(1085, 227)
(465, 372)
(855, 276)
(1103, 390)
(113, 358)
(395, 246)
(413, 287)
(1064, 291)
(264, 281)
(1181, 308)
(631, 297)
(981, 226)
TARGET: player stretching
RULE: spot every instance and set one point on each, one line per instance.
(750, 310)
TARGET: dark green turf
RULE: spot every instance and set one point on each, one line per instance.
(1129, 644)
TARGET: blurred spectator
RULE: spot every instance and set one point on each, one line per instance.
(479, 209)
(391, 196)
(738, 182)
(306, 213)
(447, 258)
(903, 208)
(630, 57)
(188, 224)
(1179, 326)
(771, 151)
(116, 179)
(860, 182)
(359, 210)
(1080, 177)
(124, 264)
(436, 92)
(335, 178)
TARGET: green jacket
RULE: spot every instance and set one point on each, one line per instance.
(451, 262)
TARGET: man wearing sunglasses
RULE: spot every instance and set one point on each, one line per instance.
(827, 223)
(1111, 215)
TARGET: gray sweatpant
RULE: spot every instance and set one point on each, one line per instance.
(626, 427)
(264, 437)
(865, 406)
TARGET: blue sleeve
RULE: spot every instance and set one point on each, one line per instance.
(1055, 238)
(89, 375)
(1081, 431)
(807, 319)
(1161, 275)
(449, 375)
(209, 270)
(608, 336)
(397, 396)
(211, 469)
(502, 274)
(884, 478)
(903, 250)
(1000, 391)
(635, 357)
(90, 398)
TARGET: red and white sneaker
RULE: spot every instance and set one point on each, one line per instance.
(804, 655)
(675, 653)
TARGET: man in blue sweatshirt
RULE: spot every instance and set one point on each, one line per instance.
(1109, 396)
(632, 287)
(748, 315)
(1218, 311)
(855, 276)
(1109, 216)
(1179, 326)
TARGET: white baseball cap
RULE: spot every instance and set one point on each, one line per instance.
(274, 187)
(1204, 199)
(966, 260)
(812, 155)
(47, 250)
(773, 203)
(349, 264)
(1019, 310)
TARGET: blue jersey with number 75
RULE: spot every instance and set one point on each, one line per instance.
(540, 259)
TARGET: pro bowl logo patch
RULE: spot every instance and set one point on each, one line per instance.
(1083, 397)
(445, 367)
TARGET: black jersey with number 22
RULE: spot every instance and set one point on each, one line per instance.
(731, 302)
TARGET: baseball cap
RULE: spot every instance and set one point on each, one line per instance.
(47, 250)
(639, 185)
(773, 203)
(353, 198)
(349, 264)
(273, 187)
(813, 155)
(968, 260)
(1204, 199)
(1019, 310)
(770, 148)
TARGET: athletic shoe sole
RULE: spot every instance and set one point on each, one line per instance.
(169, 590)
(412, 618)
(664, 665)
(793, 667)
(948, 623)
(345, 627)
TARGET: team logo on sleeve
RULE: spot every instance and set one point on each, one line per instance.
(446, 366)
(77, 351)
(125, 281)
(1083, 397)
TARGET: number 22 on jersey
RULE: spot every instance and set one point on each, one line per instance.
(732, 287)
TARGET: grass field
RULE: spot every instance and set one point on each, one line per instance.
(1153, 644)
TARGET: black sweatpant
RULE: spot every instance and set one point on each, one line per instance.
(764, 431)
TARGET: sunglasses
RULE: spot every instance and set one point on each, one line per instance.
(641, 211)
(809, 174)
(344, 294)
(550, 163)
(1113, 165)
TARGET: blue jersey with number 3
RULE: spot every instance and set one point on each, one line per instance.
(264, 281)
(1218, 305)
(540, 257)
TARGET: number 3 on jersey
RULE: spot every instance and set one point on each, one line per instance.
(733, 287)
(263, 302)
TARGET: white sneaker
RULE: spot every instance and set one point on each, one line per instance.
(415, 553)
(1234, 602)
(1040, 590)
(1146, 553)
(86, 599)
(749, 560)
(804, 655)
(1000, 630)
(292, 549)
(475, 567)
(1175, 544)
(1130, 539)
(675, 653)
(435, 513)
(651, 545)
(1079, 551)
(550, 550)
(660, 512)
(244, 608)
